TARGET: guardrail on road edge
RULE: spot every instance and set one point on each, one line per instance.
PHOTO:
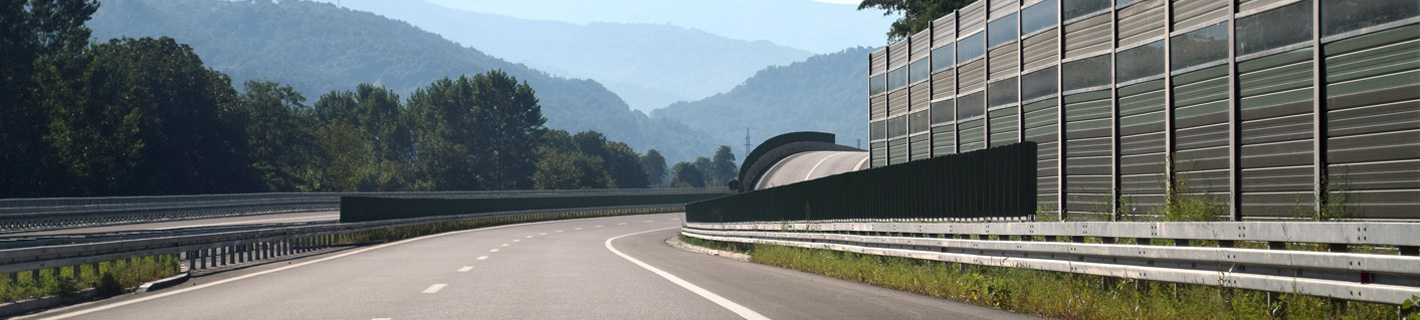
(1062, 247)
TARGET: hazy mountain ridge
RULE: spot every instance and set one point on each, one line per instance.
(824, 93)
(317, 47)
(649, 65)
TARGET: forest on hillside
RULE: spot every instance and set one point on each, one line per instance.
(319, 47)
(146, 116)
(827, 93)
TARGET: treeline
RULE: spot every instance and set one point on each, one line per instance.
(145, 116)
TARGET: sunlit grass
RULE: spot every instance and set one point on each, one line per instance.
(1058, 295)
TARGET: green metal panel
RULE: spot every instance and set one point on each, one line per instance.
(897, 151)
(1373, 122)
(879, 154)
(1004, 126)
(1201, 131)
(944, 140)
(1141, 146)
(1089, 152)
(971, 134)
(1276, 146)
(921, 147)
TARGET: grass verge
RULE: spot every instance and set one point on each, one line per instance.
(119, 276)
(1054, 294)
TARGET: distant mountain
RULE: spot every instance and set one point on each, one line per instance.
(817, 26)
(318, 47)
(648, 65)
(825, 93)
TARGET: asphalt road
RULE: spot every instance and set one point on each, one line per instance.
(811, 165)
(315, 216)
(565, 269)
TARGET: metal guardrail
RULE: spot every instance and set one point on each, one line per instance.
(41, 214)
(202, 250)
(1245, 255)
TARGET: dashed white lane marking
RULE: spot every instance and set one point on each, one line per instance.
(435, 288)
(599, 226)
(717, 299)
(494, 250)
(621, 224)
(481, 258)
(529, 237)
(577, 229)
(505, 244)
(516, 240)
(542, 234)
(559, 230)
(465, 269)
(648, 221)
(288, 267)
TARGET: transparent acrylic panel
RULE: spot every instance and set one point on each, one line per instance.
(919, 70)
(1079, 8)
(942, 58)
(1038, 84)
(1200, 46)
(971, 105)
(1140, 62)
(1002, 92)
(897, 127)
(971, 47)
(917, 122)
(897, 78)
(1039, 16)
(943, 112)
(877, 84)
(1338, 16)
(1085, 73)
(1001, 31)
(1275, 28)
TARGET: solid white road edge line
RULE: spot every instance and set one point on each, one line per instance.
(214, 283)
(717, 299)
(435, 288)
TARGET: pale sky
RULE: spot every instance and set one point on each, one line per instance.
(819, 26)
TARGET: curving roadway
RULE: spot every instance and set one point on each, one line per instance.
(602, 268)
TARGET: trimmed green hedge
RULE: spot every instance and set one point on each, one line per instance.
(997, 182)
(358, 209)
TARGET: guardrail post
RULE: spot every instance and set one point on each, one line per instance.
(1409, 251)
(95, 267)
(226, 251)
(191, 260)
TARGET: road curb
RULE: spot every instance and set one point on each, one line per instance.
(22, 307)
(675, 242)
(164, 283)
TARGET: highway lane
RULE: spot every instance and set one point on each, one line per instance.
(295, 217)
(561, 269)
(811, 165)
